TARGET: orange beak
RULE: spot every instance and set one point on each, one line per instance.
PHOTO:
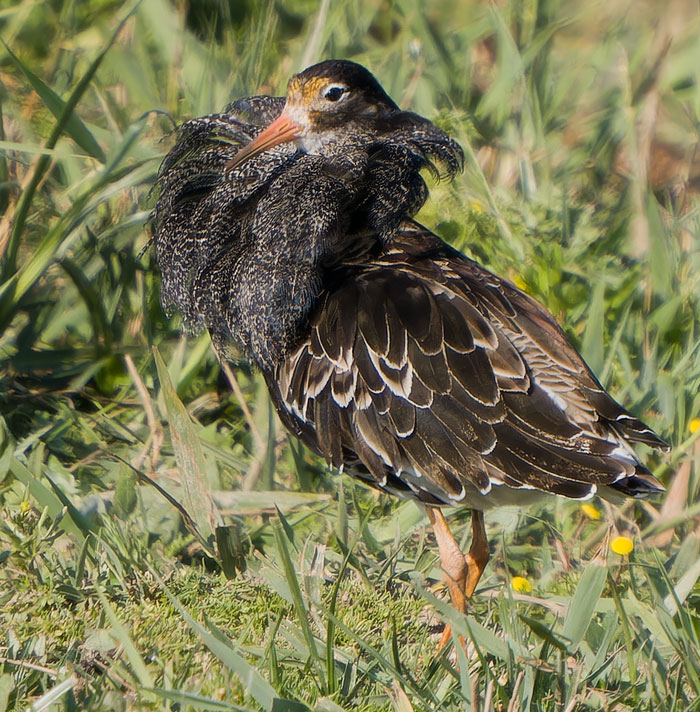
(281, 130)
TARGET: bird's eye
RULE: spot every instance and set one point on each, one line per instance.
(334, 93)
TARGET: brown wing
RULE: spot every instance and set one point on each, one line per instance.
(436, 378)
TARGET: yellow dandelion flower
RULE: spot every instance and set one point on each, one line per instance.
(694, 425)
(521, 584)
(622, 545)
(590, 511)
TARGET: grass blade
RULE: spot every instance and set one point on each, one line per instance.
(583, 604)
(592, 346)
(6, 687)
(181, 697)
(122, 635)
(189, 456)
(54, 694)
(297, 598)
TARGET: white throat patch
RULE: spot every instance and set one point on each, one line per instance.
(307, 141)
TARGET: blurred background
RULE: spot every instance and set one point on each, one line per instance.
(120, 464)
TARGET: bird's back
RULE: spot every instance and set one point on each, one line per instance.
(431, 377)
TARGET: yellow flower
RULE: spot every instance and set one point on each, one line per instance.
(622, 545)
(521, 584)
(24, 506)
(590, 511)
(694, 425)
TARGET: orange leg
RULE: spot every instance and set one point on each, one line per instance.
(462, 573)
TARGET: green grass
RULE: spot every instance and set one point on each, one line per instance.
(162, 544)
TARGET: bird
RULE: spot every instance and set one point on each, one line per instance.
(285, 226)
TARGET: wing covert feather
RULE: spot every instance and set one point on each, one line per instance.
(444, 381)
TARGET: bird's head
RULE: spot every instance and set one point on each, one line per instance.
(320, 102)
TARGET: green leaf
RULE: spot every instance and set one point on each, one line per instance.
(54, 694)
(93, 302)
(584, 602)
(542, 631)
(230, 549)
(75, 514)
(593, 345)
(280, 705)
(297, 598)
(663, 264)
(190, 458)
(288, 530)
(125, 498)
(6, 449)
(683, 588)
(239, 502)
(6, 687)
